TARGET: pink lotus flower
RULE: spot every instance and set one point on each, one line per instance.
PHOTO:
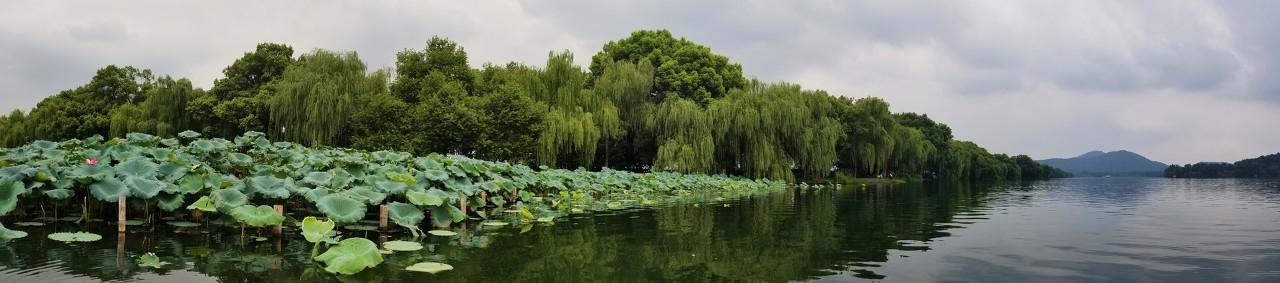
(91, 161)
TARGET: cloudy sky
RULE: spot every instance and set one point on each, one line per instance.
(1180, 81)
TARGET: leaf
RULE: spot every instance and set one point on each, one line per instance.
(440, 216)
(341, 209)
(75, 237)
(137, 167)
(315, 230)
(183, 224)
(204, 203)
(142, 187)
(109, 190)
(403, 246)
(495, 223)
(257, 216)
(9, 191)
(240, 159)
(92, 172)
(191, 183)
(432, 197)
(436, 175)
(188, 134)
(169, 202)
(319, 178)
(405, 215)
(429, 267)
(351, 256)
(6, 234)
(228, 198)
(367, 195)
(443, 233)
(150, 260)
(269, 186)
(391, 187)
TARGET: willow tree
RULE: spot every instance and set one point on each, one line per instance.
(769, 129)
(317, 95)
(578, 120)
(910, 151)
(629, 86)
(683, 131)
(869, 143)
(13, 129)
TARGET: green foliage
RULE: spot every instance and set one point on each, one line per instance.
(150, 260)
(316, 231)
(683, 68)
(74, 237)
(317, 94)
(257, 216)
(429, 267)
(350, 256)
(341, 209)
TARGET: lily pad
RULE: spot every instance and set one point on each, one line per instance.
(351, 256)
(5, 233)
(150, 260)
(341, 209)
(133, 222)
(443, 233)
(75, 237)
(545, 219)
(183, 224)
(315, 230)
(495, 223)
(359, 227)
(403, 246)
(29, 223)
(257, 216)
(429, 267)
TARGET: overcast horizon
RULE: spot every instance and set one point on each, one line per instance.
(1180, 82)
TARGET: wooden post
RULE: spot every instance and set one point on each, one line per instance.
(120, 222)
(279, 227)
(382, 217)
(464, 206)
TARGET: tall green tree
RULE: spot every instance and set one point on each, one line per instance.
(316, 97)
(683, 67)
(238, 102)
(86, 110)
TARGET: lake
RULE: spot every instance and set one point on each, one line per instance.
(1064, 230)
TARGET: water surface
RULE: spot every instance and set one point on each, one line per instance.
(1067, 230)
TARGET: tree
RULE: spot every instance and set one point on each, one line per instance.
(86, 110)
(440, 62)
(683, 68)
(317, 96)
(238, 101)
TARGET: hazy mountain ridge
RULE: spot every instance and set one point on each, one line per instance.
(1115, 163)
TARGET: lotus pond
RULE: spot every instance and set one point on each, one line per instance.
(338, 199)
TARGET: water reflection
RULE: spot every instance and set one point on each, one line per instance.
(1063, 230)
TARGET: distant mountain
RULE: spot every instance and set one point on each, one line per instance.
(1115, 163)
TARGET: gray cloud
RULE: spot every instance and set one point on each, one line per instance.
(1179, 81)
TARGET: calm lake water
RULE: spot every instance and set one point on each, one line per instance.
(1067, 230)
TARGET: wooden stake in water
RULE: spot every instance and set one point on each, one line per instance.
(121, 216)
(279, 227)
(382, 217)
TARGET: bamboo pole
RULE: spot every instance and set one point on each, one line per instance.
(279, 227)
(382, 217)
(121, 216)
(464, 206)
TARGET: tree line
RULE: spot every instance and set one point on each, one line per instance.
(648, 102)
(1266, 166)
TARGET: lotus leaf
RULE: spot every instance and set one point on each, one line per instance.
(150, 260)
(318, 178)
(9, 191)
(191, 183)
(169, 202)
(204, 203)
(341, 209)
(109, 190)
(257, 216)
(269, 186)
(183, 224)
(403, 246)
(138, 167)
(6, 234)
(351, 256)
(142, 187)
(228, 198)
(429, 267)
(442, 233)
(431, 197)
(315, 230)
(75, 237)
(29, 223)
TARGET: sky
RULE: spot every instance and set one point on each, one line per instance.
(1177, 81)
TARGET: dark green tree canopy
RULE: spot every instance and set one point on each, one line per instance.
(682, 67)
